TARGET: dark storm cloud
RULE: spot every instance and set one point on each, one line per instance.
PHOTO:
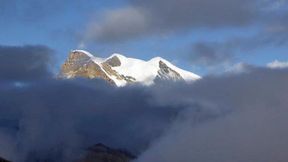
(193, 13)
(152, 17)
(212, 53)
(272, 33)
(20, 63)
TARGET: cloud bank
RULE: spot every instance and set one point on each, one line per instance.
(42, 118)
(233, 117)
(252, 127)
(25, 62)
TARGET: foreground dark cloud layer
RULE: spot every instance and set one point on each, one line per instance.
(25, 63)
(251, 125)
(237, 117)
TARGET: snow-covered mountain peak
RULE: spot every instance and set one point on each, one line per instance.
(156, 59)
(81, 52)
(121, 70)
(117, 55)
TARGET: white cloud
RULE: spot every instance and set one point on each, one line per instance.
(238, 68)
(278, 64)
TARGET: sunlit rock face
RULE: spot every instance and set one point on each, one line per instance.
(79, 64)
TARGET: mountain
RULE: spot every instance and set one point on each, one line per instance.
(3, 160)
(120, 70)
(103, 153)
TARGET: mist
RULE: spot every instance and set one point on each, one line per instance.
(55, 119)
(251, 125)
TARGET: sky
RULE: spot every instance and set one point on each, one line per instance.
(202, 36)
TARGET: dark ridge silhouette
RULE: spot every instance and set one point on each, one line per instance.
(103, 153)
(3, 160)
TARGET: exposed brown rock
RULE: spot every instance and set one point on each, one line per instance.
(79, 64)
(112, 72)
(114, 61)
(167, 73)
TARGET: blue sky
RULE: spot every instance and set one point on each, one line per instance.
(201, 36)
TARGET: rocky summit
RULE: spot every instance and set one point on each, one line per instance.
(120, 70)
